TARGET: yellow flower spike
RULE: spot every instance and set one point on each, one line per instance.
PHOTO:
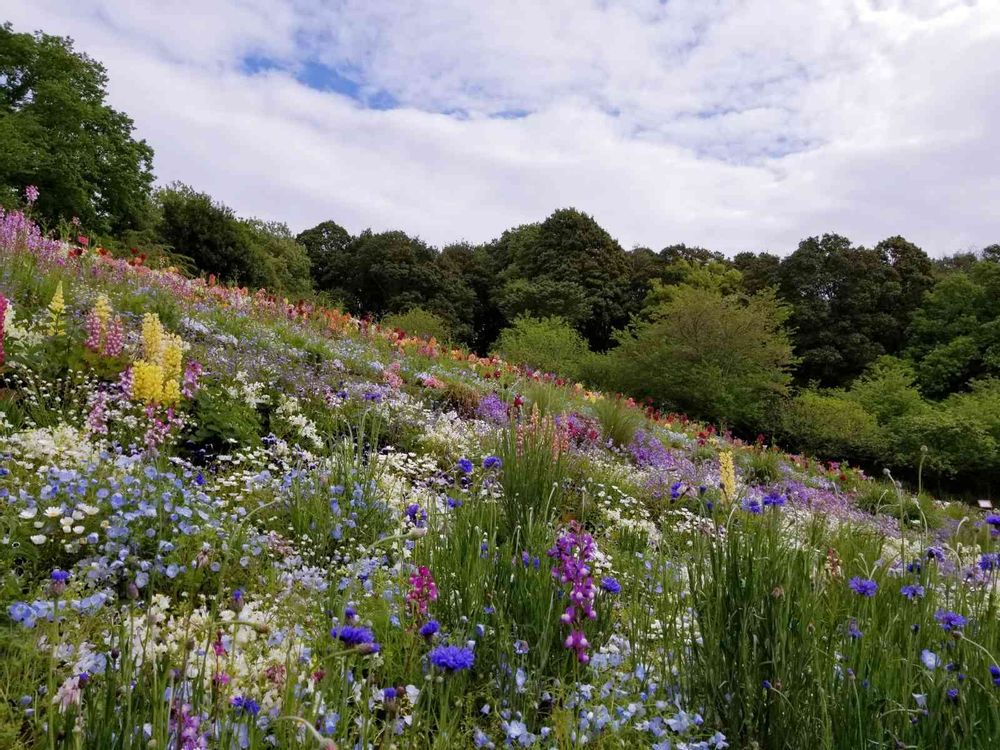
(152, 337)
(727, 475)
(57, 307)
(171, 392)
(147, 381)
(172, 354)
(102, 310)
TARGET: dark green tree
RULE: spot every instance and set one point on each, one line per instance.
(760, 270)
(58, 133)
(325, 244)
(850, 305)
(570, 256)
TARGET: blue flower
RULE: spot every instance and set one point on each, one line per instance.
(753, 506)
(611, 585)
(465, 465)
(912, 591)
(989, 561)
(950, 620)
(852, 629)
(389, 694)
(360, 638)
(60, 576)
(429, 628)
(452, 658)
(863, 586)
(929, 659)
(995, 674)
(491, 462)
(774, 499)
(245, 705)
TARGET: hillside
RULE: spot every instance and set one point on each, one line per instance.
(234, 521)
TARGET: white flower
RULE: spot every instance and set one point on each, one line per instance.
(39, 538)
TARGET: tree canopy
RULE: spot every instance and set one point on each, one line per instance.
(60, 135)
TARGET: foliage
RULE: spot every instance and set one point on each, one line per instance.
(717, 358)
(418, 322)
(546, 344)
(829, 423)
(60, 135)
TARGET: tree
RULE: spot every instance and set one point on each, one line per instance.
(59, 135)
(325, 244)
(285, 262)
(760, 270)
(206, 232)
(571, 256)
(955, 334)
(850, 305)
(714, 357)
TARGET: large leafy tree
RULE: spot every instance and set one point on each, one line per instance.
(325, 244)
(58, 133)
(850, 305)
(568, 258)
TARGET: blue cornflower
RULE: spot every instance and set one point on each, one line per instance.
(950, 620)
(952, 694)
(453, 503)
(465, 465)
(995, 674)
(753, 506)
(774, 499)
(611, 585)
(914, 567)
(912, 591)
(491, 462)
(243, 704)
(521, 647)
(989, 561)
(863, 586)
(452, 658)
(360, 638)
(429, 628)
(935, 553)
(60, 576)
(389, 694)
(853, 631)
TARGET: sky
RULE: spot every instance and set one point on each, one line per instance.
(733, 125)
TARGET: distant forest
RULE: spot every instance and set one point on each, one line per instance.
(877, 355)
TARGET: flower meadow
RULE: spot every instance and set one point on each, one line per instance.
(231, 521)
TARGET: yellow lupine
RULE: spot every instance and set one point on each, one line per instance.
(102, 310)
(152, 337)
(56, 309)
(727, 475)
(172, 354)
(171, 392)
(147, 381)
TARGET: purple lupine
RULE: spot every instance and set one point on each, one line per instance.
(572, 553)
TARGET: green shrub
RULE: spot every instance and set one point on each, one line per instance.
(548, 344)
(420, 323)
(955, 442)
(828, 423)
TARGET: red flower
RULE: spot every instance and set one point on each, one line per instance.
(82, 240)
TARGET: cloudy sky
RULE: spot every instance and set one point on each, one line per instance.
(743, 125)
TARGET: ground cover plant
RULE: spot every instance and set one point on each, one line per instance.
(231, 521)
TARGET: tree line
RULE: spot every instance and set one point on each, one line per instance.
(880, 355)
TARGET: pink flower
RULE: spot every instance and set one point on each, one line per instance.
(423, 590)
(31, 194)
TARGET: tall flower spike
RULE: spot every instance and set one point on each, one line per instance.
(57, 307)
(727, 475)
(3, 321)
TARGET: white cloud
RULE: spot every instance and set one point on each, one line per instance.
(735, 125)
